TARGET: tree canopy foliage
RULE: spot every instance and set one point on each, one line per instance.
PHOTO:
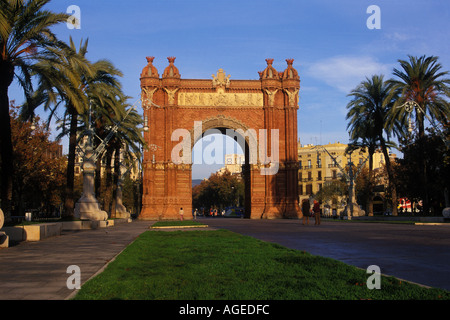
(219, 191)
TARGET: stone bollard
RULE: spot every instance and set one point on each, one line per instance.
(4, 239)
(446, 212)
(2, 218)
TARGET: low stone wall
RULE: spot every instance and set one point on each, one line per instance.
(37, 232)
(34, 232)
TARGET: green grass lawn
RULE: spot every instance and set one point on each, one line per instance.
(215, 265)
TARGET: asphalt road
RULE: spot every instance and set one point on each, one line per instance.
(417, 253)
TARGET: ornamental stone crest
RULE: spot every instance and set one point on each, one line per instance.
(220, 79)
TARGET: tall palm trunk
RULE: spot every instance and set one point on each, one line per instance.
(391, 185)
(69, 200)
(115, 179)
(6, 150)
(421, 131)
(371, 183)
(108, 182)
(99, 131)
(98, 178)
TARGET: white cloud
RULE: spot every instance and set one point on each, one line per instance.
(346, 72)
(397, 36)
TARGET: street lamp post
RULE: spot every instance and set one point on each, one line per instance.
(88, 206)
(352, 206)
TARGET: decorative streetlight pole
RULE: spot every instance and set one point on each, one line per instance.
(88, 207)
(409, 107)
(352, 206)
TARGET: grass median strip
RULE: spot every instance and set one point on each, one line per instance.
(220, 264)
(178, 224)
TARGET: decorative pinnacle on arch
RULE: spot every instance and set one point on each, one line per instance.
(269, 72)
(171, 71)
(269, 62)
(290, 72)
(150, 70)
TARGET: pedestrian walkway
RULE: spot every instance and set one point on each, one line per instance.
(38, 270)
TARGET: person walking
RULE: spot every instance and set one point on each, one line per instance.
(181, 214)
(306, 211)
(316, 210)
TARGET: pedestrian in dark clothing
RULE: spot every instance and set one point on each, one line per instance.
(306, 211)
(316, 210)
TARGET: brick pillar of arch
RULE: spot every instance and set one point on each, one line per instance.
(236, 104)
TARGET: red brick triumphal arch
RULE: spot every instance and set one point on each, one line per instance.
(261, 115)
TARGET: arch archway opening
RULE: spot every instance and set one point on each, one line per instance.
(220, 174)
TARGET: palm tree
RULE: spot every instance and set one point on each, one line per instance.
(372, 101)
(25, 36)
(77, 84)
(124, 146)
(421, 81)
(129, 138)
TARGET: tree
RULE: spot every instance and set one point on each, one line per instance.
(68, 79)
(61, 78)
(38, 166)
(371, 103)
(437, 157)
(332, 191)
(219, 191)
(25, 36)
(126, 149)
(421, 81)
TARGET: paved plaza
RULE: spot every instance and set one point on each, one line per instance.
(38, 270)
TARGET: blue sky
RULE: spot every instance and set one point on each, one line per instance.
(332, 47)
